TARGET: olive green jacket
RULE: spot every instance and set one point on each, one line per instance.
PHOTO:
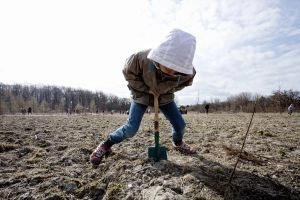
(142, 75)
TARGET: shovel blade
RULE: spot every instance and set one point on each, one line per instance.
(157, 153)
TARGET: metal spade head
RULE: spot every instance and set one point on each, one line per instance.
(157, 152)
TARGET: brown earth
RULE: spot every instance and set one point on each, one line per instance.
(47, 157)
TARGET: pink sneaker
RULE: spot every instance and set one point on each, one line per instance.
(101, 151)
(185, 148)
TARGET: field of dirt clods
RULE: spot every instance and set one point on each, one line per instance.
(47, 157)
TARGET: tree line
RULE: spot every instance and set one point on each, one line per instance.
(46, 99)
(278, 101)
(53, 99)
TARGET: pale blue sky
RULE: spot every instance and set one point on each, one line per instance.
(242, 46)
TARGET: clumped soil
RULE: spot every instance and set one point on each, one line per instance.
(47, 157)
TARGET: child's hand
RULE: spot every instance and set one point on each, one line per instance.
(154, 92)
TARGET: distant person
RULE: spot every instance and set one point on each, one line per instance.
(206, 108)
(159, 72)
(291, 109)
(29, 111)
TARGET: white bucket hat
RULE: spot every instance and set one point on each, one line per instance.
(176, 51)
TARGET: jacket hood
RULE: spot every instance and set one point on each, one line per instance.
(176, 51)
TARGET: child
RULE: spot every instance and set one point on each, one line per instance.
(160, 71)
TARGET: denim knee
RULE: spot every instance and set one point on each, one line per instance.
(126, 131)
(129, 130)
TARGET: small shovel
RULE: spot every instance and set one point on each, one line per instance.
(157, 152)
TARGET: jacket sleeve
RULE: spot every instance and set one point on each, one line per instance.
(133, 74)
(185, 84)
(188, 82)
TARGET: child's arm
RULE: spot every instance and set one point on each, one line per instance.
(183, 85)
(167, 90)
(133, 74)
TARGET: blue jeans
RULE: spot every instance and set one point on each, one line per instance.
(136, 113)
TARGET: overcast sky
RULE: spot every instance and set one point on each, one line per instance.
(242, 45)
